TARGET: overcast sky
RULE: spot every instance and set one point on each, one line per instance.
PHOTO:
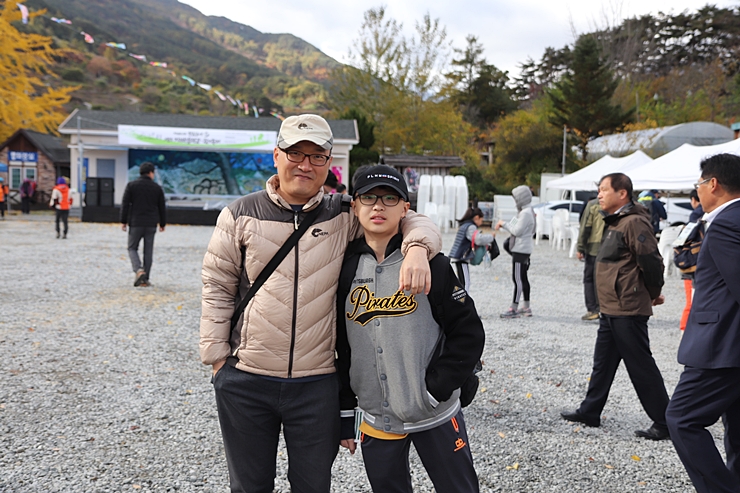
(510, 31)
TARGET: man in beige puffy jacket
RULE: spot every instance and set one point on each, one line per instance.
(276, 368)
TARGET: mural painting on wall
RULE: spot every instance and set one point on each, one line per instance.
(189, 173)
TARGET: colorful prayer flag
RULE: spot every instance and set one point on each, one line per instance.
(278, 116)
(88, 39)
(206, 87)
(24, 12)
(120, 46)
(159, 64)
(231, 100)
(220, 96)
(256, 113)
(141, 58)
(61, 21)
(188, 79)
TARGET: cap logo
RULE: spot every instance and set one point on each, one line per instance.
(303, 126)
(381, 175)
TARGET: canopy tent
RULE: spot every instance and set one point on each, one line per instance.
(587, 178)
(679, 169)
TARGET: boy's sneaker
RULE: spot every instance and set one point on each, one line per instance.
(510, 313)
(140, 277)
(525, 312)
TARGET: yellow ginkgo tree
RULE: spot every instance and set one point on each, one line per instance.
(26, 100)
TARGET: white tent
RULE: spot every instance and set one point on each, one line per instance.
(587, 178)
(679, 169)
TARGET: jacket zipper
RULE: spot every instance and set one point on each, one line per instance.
(295, 303)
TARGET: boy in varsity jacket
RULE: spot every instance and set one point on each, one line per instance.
(403, 358)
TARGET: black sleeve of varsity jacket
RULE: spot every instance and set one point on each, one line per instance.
(463, 329)
(347, 397)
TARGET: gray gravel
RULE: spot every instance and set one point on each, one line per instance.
(101, 386)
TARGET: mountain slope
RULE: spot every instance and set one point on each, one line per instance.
(274, 71)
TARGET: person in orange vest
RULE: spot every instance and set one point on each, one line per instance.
(61, 200)
(3, 196)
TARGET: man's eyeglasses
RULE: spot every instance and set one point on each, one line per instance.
(389, 200)
(298, 157)
(698, 184)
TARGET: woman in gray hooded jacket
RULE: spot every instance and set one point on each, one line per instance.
(521, 244)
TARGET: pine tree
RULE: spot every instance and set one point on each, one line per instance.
(26, 100)
(582, 99)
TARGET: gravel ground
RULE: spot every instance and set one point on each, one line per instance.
(101, 386)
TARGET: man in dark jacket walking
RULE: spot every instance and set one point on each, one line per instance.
(629, 278)
(141, 208)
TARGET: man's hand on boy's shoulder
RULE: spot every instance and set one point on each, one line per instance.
(415, 275)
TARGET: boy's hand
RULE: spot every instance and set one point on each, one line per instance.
(349, 444)
(415, 276)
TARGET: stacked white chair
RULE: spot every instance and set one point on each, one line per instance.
(450, 192)
(461, 197)
(574, 229)
(424, 194)
(438, 190)
(430, 211)
(443, 218)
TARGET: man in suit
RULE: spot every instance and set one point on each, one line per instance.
(709, 387)
(629, 278)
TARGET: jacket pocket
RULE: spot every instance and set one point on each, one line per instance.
(706, 317)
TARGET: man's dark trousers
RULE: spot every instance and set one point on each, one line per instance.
(625, 338)
(589, 284)
(135, 235)
(62, 216)
(252, 408)
(701, 397)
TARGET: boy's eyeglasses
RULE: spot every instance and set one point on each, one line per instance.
(389, 200)
(298, 157)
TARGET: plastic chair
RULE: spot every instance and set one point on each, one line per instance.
(574, 230)
(560, 229)
(667, 237)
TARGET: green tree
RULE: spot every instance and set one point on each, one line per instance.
(394, 83)
(527, 145)
(479, 88)
(582, 100)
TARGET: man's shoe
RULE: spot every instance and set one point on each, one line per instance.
(57, 235)
(140, 277)
(525, 312)
(64, 236)
(590, 316)
(577, 417)
(653, 433)
(510, 313)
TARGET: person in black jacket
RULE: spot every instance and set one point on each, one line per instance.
(141, 208)
(405, 360)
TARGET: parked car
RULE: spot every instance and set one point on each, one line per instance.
(549, 208)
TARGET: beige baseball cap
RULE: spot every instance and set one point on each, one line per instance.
(308, 127)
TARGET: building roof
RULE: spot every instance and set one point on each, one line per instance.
(54, 147)
(109, 121)
(658, 141)
(414, 161)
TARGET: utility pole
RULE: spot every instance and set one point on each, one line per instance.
(565, 133)
(79, 156)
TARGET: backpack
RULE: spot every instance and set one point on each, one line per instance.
(478, 251)
(686, 254)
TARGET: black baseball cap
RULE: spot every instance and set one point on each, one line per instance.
(381, 176)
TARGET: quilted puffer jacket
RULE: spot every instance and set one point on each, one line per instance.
(288, 328)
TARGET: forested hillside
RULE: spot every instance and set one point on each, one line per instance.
(275, 72)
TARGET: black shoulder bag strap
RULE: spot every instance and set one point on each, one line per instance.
(274, 262)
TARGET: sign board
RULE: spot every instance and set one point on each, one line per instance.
(3, 168)
(28, 157)
(217, 139)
